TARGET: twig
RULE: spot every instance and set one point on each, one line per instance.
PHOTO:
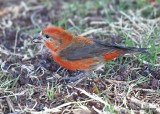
(56, 109)
(7, 52)
(95, 97)
(16, 38)
(16, 94)
(145, 104)
(148, 90)
(99, 23)
(10, 104)
(90, 32)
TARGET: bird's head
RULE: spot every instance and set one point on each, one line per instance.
(53, 37)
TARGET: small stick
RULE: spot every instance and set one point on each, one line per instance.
(10, 104)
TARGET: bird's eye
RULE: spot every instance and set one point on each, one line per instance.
(47, 36)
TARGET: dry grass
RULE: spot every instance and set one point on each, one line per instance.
(30, 80)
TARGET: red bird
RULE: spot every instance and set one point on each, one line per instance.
(80, 53)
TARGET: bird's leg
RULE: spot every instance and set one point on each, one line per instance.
(78, 78)
(85, 75)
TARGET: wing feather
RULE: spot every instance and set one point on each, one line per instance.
(81, 49)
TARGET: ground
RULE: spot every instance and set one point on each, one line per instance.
(30, 81)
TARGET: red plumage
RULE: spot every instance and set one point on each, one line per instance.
(80, 53)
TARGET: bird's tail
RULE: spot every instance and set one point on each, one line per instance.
(133, 50)
(125, 49)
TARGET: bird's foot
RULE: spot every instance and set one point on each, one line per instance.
(72, 79)
(76, 79)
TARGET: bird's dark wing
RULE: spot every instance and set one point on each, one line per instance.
(83, 50)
